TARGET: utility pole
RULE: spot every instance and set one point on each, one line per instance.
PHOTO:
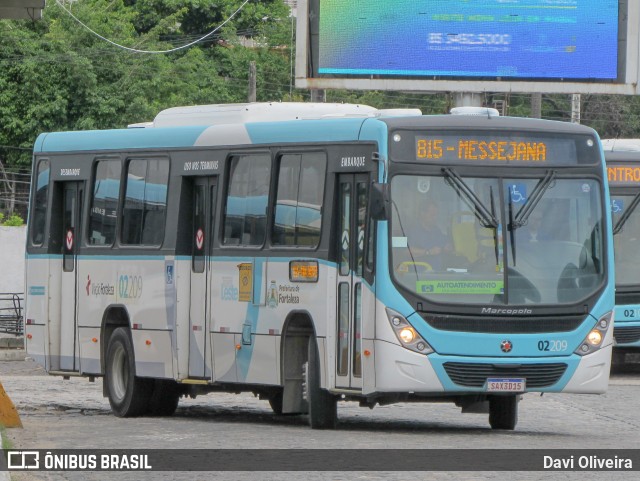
(9, 187)
(536, 105)
(252, 82)
(575, 108)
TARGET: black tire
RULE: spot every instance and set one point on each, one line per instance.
(128, 394)
(164, 398)
(323, 406)
(275, 401)
(503, 412)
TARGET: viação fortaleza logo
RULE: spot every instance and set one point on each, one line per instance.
(99, 288)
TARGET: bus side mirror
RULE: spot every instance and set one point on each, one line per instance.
(379, 201)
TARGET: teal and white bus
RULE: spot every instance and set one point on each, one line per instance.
(316, 253)
(623, 170)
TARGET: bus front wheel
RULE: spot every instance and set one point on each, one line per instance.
(503, 412)
(323, 406)
(128, 394)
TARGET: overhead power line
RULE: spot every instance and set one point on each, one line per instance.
(14, 147)
(135, 50)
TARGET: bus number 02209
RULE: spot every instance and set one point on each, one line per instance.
(552, 346)
(130, 287)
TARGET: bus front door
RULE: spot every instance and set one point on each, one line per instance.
(353, 196)
(71, 235)
(204, 207)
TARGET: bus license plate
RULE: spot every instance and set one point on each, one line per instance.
(505, 384)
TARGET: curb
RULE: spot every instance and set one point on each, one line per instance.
(12, 354)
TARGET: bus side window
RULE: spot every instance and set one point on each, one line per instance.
(145, 203)
(300, 190)
(40, 203)
(104, 203)
(245, 217)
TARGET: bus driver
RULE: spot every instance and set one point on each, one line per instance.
(426, 239)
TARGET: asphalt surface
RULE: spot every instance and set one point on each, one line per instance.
(72, 414)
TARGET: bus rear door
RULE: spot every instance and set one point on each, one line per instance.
(71, 219)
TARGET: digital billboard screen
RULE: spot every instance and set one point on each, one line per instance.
(506, 39)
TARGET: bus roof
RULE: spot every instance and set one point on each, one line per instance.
(621, 145)
(621, 150)
(485, 122)
(189, 136)
(306, 123)
(227, 124)
(224, 114)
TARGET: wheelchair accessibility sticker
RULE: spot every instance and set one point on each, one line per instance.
(617, 206)
(518, 192)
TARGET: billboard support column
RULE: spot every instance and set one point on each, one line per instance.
(468, 99)
(318, 95)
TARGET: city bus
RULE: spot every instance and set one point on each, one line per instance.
(623, 170)
(316, 253)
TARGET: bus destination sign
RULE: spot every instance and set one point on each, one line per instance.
(494, 148)
(470, 149)
(623, 174)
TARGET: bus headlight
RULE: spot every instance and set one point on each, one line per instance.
(407, 335)
(594, 339)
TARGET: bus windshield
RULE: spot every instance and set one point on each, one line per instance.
(501, 241)
(626, 240)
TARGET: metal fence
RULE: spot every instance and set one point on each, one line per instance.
(11, 313)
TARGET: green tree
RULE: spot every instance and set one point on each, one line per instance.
(57, 75)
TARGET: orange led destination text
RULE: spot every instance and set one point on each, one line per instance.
(484, 150)
(304, 271)
(623, 174)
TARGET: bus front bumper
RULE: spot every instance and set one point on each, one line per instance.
(400, 370)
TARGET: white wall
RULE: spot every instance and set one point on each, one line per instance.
(12, 242)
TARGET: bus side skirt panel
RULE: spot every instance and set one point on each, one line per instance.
(153, 353)
(89, 338)
(37, 310)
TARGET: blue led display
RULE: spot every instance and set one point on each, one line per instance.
(519, 39)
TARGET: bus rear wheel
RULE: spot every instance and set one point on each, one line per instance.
(164, 398)
(128, 394)
(275, 401)
(323, 406)
(503, 412)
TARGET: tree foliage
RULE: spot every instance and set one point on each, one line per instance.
(57, 75)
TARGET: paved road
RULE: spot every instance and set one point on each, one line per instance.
(73, 414)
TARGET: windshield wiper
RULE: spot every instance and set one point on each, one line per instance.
(495, 230)
(486, 217)
(626, 214)
(512, 230)
(525, 211)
